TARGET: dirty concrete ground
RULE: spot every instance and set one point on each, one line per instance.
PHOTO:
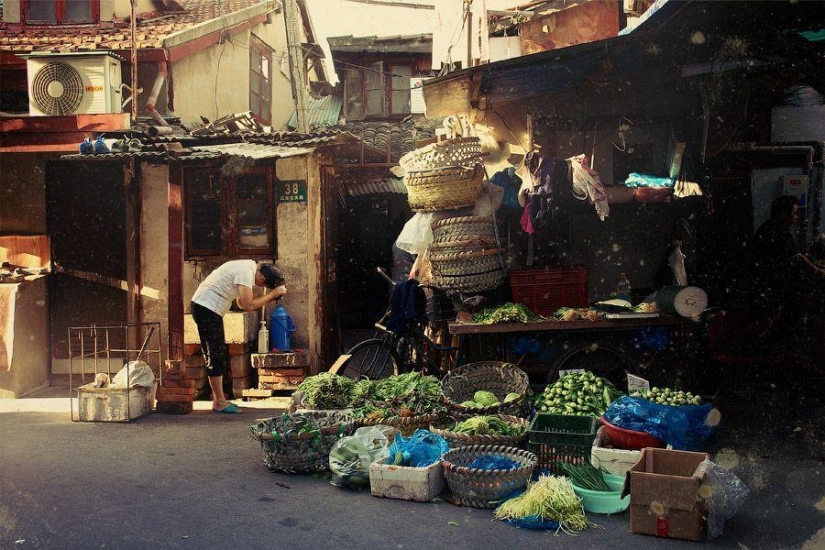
(198, 482)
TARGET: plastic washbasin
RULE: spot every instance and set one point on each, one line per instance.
(623, 438)
(604, 502)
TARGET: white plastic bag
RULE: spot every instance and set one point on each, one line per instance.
(351, 456)
(134, 373)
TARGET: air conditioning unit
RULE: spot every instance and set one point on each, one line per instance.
(74, 83)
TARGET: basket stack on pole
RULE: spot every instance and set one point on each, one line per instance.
(449, 175)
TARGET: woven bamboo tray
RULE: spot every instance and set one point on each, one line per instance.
(404, 424)
(481, 488)
(456, 439)
(462, 228)
(474, 271)
(450, 152)
(444, 188)
(301, 452)
(498, 377)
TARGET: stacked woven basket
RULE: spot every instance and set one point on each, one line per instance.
(449, 175)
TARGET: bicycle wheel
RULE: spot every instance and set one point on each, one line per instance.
(373, 359)
(605, 360)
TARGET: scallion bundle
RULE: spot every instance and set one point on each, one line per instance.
(585, 476)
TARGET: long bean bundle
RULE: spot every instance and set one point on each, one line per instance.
(551, 498)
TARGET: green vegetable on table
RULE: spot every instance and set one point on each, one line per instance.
(507, 313)
(668, 396)
(486, 425)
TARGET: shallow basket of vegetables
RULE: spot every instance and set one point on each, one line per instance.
(500, 429)
(404, 424)
(300, 443)
(507, 383)
(482, 488)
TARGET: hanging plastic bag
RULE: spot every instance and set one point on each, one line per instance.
(351, 456)
(421, 449)
(134, 373)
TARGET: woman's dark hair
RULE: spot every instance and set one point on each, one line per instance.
(272, 276)
(783, 205)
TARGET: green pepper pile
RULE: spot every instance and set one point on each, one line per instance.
(582, 394)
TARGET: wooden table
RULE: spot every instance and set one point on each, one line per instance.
(583, 333)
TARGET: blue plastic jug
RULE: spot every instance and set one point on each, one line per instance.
(280, 329)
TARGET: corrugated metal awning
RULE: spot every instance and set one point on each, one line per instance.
(387, 185)
(254, 151)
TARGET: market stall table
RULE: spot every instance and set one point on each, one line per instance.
(579, 330)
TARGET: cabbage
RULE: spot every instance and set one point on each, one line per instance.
(512, 396)
(485, 398)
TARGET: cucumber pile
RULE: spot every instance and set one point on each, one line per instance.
(580, 394)
(668, 396)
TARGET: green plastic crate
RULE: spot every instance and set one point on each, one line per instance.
(561, 438)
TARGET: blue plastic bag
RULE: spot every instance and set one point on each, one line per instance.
(493, 462)
(684, 427)
(634, 179)
(422, 448)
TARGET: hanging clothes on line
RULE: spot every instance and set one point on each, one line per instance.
(588, 186)
(536, 192)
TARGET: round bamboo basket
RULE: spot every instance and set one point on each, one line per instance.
(444, 188)
(451, 152)
(499, 378)
(473, 271)
(481, 488)
(463, 228)
(457, 439)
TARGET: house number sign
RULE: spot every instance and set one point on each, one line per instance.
(292, 190)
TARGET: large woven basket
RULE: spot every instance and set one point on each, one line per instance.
(469, 271)
(500, 378)
(482, 488)
(404, 424)
(450, 152)
(463, 228)
(301, 452)
(457, 439)
(444, 188)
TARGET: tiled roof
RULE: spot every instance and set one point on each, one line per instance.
(151, 32)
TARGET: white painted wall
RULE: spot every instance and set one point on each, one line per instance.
(215, 82)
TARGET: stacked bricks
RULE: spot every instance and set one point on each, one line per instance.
(177, 391)
(240, 375)
(279, 371)
(196, 369)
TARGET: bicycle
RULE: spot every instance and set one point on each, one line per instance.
(390, 353)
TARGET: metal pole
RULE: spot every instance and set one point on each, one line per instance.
(133, 17)
(296, 62)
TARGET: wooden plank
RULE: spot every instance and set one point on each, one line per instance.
(338, 364)
(563, 326)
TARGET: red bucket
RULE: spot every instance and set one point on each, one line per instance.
(630, 439)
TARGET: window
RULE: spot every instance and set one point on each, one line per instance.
(60, 12)
(229, 216)
(377, 90)
(260, 87)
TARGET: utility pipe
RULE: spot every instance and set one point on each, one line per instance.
(152, 100)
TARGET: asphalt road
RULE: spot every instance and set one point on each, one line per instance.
(198, 482)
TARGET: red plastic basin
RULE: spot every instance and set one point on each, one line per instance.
(623, 438)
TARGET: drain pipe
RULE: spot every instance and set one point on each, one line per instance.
(152, 100)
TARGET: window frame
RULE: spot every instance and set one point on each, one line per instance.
(229, 223)
(386, 83)
(259, 47)
(60, 14)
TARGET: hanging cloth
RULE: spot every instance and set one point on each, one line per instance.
(587, 185)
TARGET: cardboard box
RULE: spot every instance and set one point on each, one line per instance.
(612, 461)
(664, 494)
(406, 482)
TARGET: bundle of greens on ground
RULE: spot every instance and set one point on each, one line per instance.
(405, 395)
(583, 394)
(486, 425)
(668, 396)
(506, 313)
(326, 391)
(584, 476)
(551, 498)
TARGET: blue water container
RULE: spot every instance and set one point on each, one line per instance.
(280, 329)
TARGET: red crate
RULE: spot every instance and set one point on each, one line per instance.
(544, 290)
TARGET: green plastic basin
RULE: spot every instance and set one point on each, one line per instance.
(604, 502)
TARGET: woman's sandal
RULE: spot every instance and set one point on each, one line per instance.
(232, 408)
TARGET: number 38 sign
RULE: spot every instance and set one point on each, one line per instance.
(292, 191)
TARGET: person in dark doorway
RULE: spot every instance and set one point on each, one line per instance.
(212, 300)
(783, 272)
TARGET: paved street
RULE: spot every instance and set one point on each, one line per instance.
(198, 482)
